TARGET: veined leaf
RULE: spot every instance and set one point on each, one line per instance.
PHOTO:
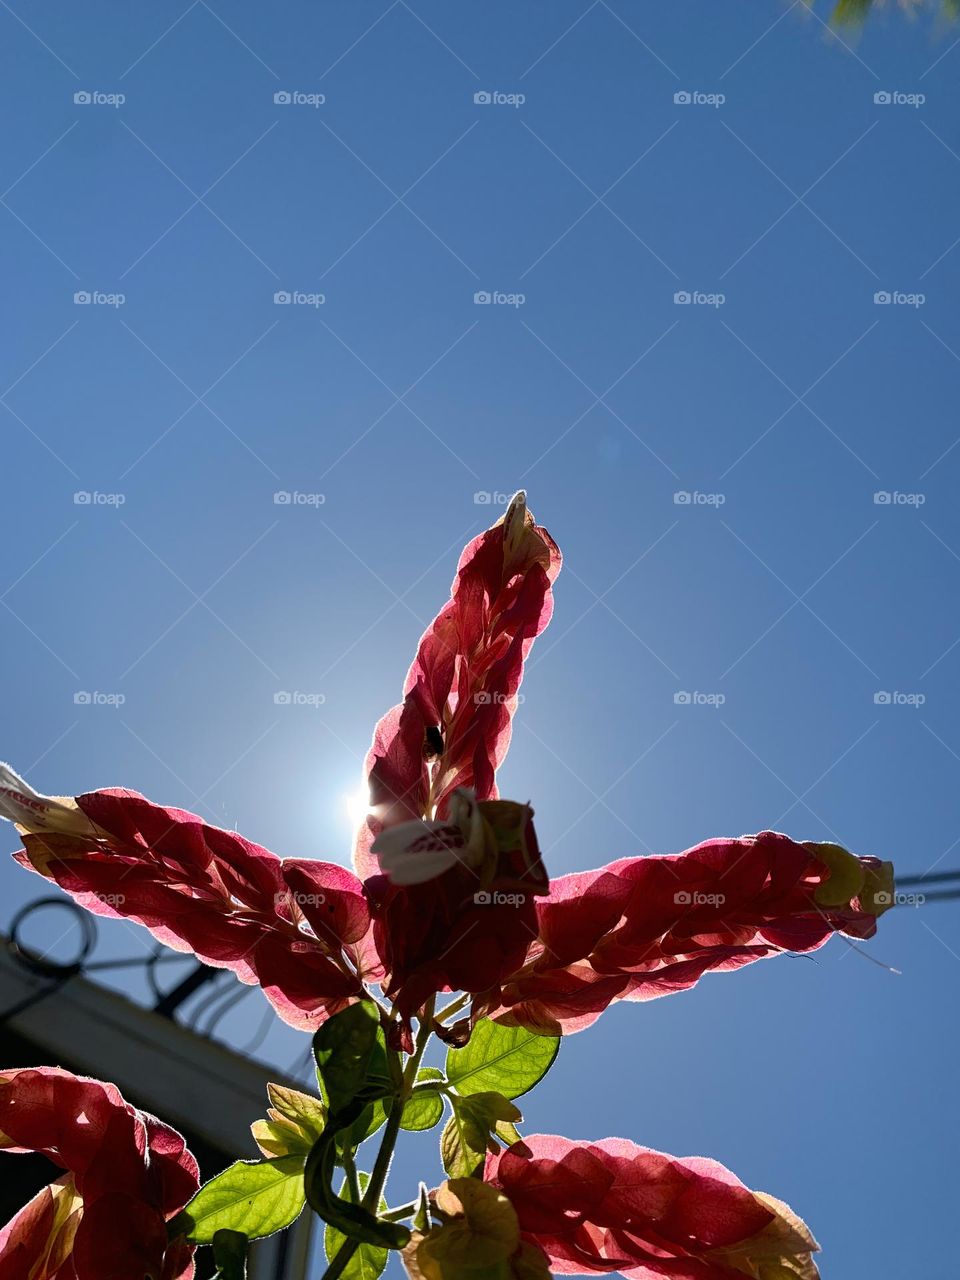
(506, 1060)
(254, 1198)
(424, 1109)
(343, 1048)
(468, 1134)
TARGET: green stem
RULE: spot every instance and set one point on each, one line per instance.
(391, 1132)
(350, 1169)
(405, 1211)
(339, 1263)
(454, 1007)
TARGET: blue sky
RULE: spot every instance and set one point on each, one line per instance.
(782, 398)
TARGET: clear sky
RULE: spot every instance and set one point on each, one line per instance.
(781, 587)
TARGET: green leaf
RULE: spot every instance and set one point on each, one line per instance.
(378, 1082)
(468, 1134)
(421, 1219)
(371, 1118)
(507, 1060)
(305, 1111)
(425, 1108)
(255, 1198)
(230, 1254)
(507, 1132)
(281, 1138)
(369, 1260)
(343, 1048)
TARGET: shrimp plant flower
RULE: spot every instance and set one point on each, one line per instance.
(449, 926)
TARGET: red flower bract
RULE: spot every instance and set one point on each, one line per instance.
(128, 1175)
(647, 927)
(596, 1207)
(296, 927)
(451, 732)
(453, 727)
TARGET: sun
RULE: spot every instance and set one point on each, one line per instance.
(356, 805)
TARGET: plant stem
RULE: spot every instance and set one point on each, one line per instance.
(454, 1007)
(381, 1167)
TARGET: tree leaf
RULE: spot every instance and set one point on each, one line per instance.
(281, 1138)
(468, 1134)
(306, 1111)
(369, 1261)
(230, 1254)
(343, 1048)
(255, 1198)
(378, 1082)
(424, 1109)
(505, 1060)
